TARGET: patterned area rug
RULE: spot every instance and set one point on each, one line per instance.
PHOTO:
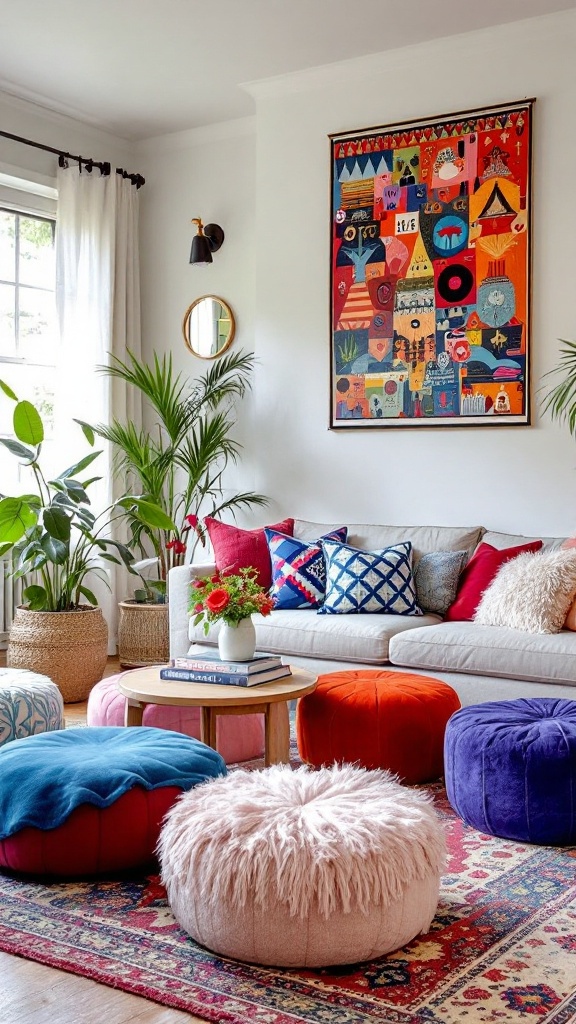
(502, 947)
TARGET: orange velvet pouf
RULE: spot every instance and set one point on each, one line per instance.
(377, 719)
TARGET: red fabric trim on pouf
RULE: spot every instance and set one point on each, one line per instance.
(93, 840)
(377, 719)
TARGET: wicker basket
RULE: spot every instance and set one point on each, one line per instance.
(143, 635)
(69, 647)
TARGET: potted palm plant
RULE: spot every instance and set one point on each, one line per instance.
(560, 399)
(172, 472)
(56, 542)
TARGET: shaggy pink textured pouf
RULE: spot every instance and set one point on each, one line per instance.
(238, 737)
(303, 868)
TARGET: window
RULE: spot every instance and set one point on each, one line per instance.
(28, 331)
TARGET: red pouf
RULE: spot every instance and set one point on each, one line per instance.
(377, 719)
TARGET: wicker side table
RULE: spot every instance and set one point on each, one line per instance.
(143, 634)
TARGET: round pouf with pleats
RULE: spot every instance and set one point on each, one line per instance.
(377, 719)
(303, 868)
(511, 769)
(30, 703)
(90, 801)
(238, 737)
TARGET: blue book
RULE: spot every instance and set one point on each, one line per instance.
(184, 675)
(212, 662)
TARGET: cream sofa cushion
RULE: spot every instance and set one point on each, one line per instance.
(372, 538)
(488, 650)
(301, 631)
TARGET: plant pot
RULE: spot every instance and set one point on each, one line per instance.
(143, 634)
(237, 642)
(69, 647)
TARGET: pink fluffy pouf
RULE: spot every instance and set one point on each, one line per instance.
(303, 868)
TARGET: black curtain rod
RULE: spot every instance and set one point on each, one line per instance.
(89, 164)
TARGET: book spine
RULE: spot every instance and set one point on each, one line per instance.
(189, 676)
(230, 668)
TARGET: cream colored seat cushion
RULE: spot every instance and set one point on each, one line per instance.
(301, 631)
(488, 650)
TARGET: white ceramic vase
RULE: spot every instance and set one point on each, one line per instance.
(237, 642)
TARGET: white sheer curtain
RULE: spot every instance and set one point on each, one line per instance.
(98, 298)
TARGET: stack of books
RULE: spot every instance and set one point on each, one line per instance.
(209, 668)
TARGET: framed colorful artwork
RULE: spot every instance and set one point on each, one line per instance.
(430, 271)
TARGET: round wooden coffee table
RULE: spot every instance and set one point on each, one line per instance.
(143, 686)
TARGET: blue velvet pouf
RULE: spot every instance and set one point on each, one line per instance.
(510, 769)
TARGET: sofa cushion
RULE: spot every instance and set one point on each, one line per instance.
(436, 579)
(302, 632)
(298, 569)
(362, 582)
(234, 549)
(508, 540)
(478, 575)
(488, 650)
(422, 538)
(532, 592)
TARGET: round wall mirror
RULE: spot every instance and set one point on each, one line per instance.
(208, 326)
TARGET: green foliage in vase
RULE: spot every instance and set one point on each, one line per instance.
(53, 536)
(173, 471)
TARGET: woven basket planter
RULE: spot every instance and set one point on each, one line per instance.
(69, 647)
(143, 635)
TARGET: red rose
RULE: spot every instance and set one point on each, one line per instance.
(198, 608)
(217, 600)
(199, 584)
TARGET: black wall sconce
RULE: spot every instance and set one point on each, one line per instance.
(207, 240)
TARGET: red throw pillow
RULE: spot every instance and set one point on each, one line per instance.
(478, 575)
(235, 549)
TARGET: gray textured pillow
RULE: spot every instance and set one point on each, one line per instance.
(531, 592)
(436, 579)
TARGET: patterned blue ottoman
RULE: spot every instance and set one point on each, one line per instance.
(29, 703)
(510, 768)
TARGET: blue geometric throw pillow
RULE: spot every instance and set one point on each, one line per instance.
(298, 569)
(360, 582)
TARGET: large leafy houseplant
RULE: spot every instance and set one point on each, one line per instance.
(173, 471)
(54, 537)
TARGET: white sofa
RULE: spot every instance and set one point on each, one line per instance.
(481, 662)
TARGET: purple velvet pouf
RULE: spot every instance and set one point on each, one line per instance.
(510, 769)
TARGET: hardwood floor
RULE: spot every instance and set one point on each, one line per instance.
(34, 994)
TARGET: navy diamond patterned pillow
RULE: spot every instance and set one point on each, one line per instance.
(298, 569)
(363, 582)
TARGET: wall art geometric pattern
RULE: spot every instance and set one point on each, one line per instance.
(430, 271)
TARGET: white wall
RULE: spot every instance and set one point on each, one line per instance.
(521, 479)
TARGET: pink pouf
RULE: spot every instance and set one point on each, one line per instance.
(238, 737)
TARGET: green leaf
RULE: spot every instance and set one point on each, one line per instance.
(87, 431)
(28, 425)
(76, 491)
(15, 518)
(19, 450)
(55, 550)
(89, 595)
(152, 515)
(8, 391)
(36, 598)
(57, 523)
(78, 467)
(5, 547)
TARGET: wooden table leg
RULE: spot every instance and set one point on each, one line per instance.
(134, 712)
(208, 727)
(277, 734)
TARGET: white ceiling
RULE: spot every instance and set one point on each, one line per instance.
(141, 68)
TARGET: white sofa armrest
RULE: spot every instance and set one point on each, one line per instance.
(179, 580)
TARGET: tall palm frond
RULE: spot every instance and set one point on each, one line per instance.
(560, 400)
